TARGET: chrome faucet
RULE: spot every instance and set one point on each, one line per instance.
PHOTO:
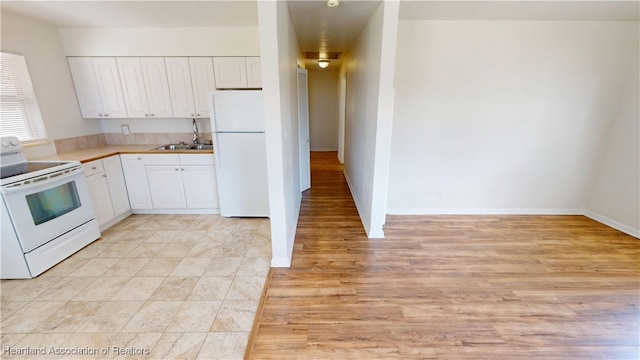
(195, 131)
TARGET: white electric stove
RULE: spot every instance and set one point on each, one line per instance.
(47, 212)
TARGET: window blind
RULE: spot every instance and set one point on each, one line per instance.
(19, 112)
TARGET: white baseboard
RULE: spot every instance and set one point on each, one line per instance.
(488, 211)
(484, 211)
(281, 262)
(612, 223)
(324, 149)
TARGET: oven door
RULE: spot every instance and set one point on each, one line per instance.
(48, 206)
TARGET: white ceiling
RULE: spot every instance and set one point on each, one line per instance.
(319, 27)
(572, 10)
(137, 13)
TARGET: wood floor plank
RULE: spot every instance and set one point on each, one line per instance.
(448, 287)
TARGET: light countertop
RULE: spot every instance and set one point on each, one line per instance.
(92, 154)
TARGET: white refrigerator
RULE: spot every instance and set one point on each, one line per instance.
(237, 125)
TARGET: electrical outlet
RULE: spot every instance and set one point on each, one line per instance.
(125, 129)
(439, 195)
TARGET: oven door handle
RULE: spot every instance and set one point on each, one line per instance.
(42, 180)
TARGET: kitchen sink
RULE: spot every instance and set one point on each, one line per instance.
(185, 147)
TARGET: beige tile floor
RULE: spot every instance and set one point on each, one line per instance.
(152, 287)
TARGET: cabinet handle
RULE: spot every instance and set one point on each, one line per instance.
(153, 114)
(182, 169)
(93, 168)
(197, 114)
(104, 175)
(139, 158)
(193, 114)
(100, 115)
(106, 115)
(146, 114)
(176, 169)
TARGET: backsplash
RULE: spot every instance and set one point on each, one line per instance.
(93, 141)
(80, 143)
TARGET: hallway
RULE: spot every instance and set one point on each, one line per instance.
(447, 287)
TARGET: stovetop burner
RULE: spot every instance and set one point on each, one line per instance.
(26, 167)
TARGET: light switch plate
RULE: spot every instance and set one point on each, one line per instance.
(125, 129)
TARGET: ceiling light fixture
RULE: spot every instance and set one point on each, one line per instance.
(323, 63)
(333, 3)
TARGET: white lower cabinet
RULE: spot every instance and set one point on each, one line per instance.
(167, 190)
(135, 175)
(182, 181)
(108, 190)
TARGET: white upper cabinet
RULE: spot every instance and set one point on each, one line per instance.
(254, 72)
(238, 72)
(106, 71)
(203, 81)
(180, 86)
(135, 96)
(190, 80)
(145, 87)
(98, 87)
(86, 85)
(156, 83)
(231, 72)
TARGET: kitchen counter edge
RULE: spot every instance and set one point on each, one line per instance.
(87, 155)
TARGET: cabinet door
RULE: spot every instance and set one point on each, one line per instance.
(101, 200)
(106, 71)
(166, 187)
(135, 96)
(254, 72)
(116, 183)
(200, 187)
(180, 87)
(203, 81)
(230, 72)
(86, 86)
(135, 176)
(156, 84)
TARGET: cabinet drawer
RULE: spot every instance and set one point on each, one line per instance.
(161, 159)
(93, 167)
(196, 159)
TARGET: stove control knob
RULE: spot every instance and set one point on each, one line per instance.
(5, 143)
(14, 142)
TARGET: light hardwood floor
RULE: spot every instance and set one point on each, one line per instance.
(448, 287)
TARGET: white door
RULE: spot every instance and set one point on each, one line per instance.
(342, 108)
(135, 175)
(101, 199)
(156, 84)
(200, 187)
(303, 128)
(180, 87)
(167, 189)
(86, 86)
(117, 186)
(254, 72)
(109, 86)
(231, 72)
(203, 82)
(135, 96)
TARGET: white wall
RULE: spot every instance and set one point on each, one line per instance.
(615, 199)
(323, 109)
(503, 117)
(370, 67)
(197, 41)
(280, 57)
(51, 79)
